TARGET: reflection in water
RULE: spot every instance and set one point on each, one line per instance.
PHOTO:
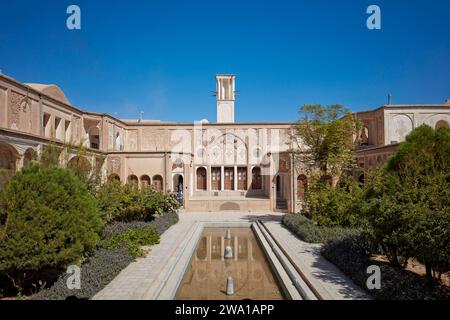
(207, 275)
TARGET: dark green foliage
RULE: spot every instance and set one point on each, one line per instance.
(133, 239)
(116, 228)
(100, 269)
(49, 220)
(309, 232)
(162, 223)
(326, 135)
(104, 265)
(351, 255)
(334, 206)
(126, 203)
(407, 203)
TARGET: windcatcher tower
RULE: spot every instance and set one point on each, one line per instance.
(225, 97)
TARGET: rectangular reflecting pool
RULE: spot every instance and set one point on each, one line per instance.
(218, 257)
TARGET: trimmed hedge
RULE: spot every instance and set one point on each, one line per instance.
(99, 270)
(162, 223)
(309, 232)
(351, 256)
(104, 265)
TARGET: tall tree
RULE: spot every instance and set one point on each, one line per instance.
(325, 138)
(408, 201)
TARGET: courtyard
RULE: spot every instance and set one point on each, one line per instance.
(158, 275)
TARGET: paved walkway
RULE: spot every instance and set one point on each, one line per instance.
(331, 283)
(144, 278)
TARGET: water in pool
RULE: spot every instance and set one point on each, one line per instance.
(213, 262)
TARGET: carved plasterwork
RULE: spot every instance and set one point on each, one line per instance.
(153, 139)
(15, 103)
(114, 165)
(132, 140)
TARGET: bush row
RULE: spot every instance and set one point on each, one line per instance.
(122, 241)
(351, 255)
(307, 231)
(49, 219)
(162, 223)
(99, 270)
(118, 202)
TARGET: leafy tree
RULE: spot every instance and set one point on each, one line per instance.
(49, 219)
(408, 201)
(324, 138)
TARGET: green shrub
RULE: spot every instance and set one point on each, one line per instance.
(133, 239)
(334, 206)
(162, 223)
(96, 272)
(351, 255)
(407, 203)
(104, 264)
(307, 231)
(49, 220)
(126, 203)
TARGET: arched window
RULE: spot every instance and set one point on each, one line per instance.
(145, 181)
(278, 183)
(442, 124)
(94, 137)
(8, 158)
(364, 137)
(256, 178)
(113, 177)
(133, 181)
(201, 178)
(302, 186)
(29, 156)
(158, 183)
(80, 165)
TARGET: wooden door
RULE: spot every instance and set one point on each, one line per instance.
(229, 178)
(242, 178)
(201, 179)
(158, 183)
(215, 179)
(256, 178)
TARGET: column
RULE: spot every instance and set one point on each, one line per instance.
(222, 178)
(208, 179)
(235, 178)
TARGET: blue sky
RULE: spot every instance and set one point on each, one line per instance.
(160, 57)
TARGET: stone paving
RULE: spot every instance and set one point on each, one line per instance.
(145, 277)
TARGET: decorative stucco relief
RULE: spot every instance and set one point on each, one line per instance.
(132, 140)
(110, 136)
(432, 120)
(15, 101)
(114, 165)
(154, 139)
(401, 125)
